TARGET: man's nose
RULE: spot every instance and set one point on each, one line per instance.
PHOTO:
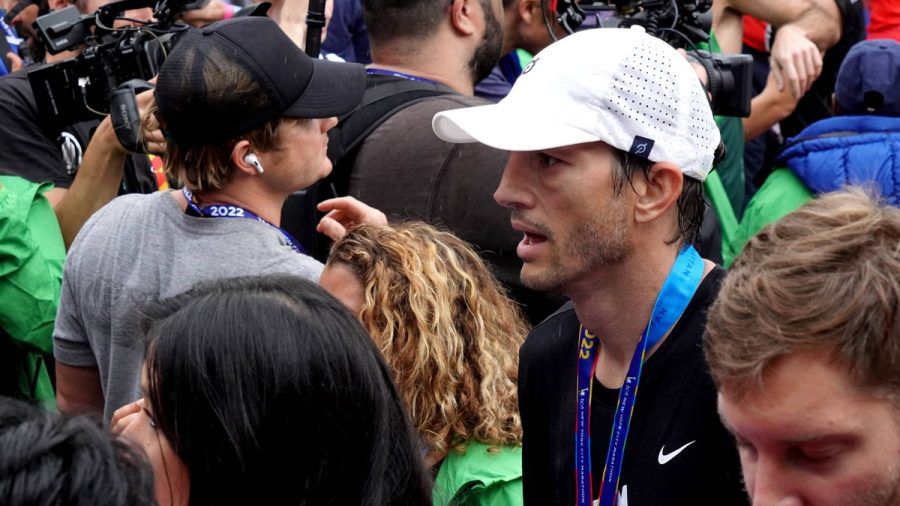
(511, 193)
(774, 485)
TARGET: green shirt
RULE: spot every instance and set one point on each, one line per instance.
(782, 193)
(483, 475)
(32, 255)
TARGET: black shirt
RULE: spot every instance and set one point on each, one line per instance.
(39, 153)
(675, 406)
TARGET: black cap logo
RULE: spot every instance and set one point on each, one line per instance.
(641, 147)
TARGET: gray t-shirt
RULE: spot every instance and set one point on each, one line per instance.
(141, 247)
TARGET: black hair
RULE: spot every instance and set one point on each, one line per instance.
(52, 459)
(691, 203)
(388, 20)
(271, 392)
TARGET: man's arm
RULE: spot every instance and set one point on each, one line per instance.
(806, 29)
(768, 108)
(78, 389)
(100, 172)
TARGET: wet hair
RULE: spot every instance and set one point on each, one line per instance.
(55, 460)
(446, 328)
(823, 278)
(270, 392)
(691, 204)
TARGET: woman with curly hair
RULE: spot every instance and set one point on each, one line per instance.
(451, 336)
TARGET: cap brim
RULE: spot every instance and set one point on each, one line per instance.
(334, 90)
(507, 128)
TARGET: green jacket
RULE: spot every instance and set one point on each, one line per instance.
(782, 193)
(32, 255)
(483, 475)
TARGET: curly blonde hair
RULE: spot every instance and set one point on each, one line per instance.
(446, 328)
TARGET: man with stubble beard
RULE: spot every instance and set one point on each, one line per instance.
(401, 167)
(610, 138)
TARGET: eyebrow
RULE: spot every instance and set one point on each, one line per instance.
(840, 437)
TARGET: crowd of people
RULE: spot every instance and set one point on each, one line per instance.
(469, 254)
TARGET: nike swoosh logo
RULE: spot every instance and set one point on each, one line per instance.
(664, 457)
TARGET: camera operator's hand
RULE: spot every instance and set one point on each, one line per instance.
(214, 10)
(14, 61)
(344, 213)
(154, 140)
(795, 60)
(770, 106)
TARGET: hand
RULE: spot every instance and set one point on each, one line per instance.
(344, 213)
(125, 416)
(151, 133)
(14, 61)
(795, 60)
(133, 424)
(214, 10)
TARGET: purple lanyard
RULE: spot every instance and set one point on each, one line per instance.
(402, 75)
(231, 211)
(674, 297)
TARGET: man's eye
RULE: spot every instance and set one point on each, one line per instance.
(816, 454)
(546, 160)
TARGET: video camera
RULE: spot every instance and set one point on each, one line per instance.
(682, 24)
(80, 88)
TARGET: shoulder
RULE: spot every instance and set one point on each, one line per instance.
(125, 211)
(781, 193)
(483, 474)
(446, 102)
(552, 340)
(15, 86)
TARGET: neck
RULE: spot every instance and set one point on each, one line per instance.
(248, 196)
(428, 61)
(618, 313)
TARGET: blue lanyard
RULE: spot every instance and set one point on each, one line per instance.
(674, 297)
(403, 75)
(230, 211)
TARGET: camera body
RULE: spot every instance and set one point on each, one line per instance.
(80, 88)
(682, 24)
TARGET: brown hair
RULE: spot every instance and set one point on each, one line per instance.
(209, 166)
(826, 277)
(446, 328)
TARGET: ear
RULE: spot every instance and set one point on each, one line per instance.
(240, 150)
(463, 16)
(658, 192)
(529, 11)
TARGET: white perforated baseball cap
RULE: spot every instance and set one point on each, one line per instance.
(616, 85)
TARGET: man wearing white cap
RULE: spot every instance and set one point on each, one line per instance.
(611, 136)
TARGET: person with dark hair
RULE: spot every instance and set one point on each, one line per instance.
(266, 390)
(42, 152)
(447, 329)
(607, 157)
(59, 460)
(242, 134)
(803, 343)
(427, 57)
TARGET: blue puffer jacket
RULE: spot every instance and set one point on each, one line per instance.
(845, 150)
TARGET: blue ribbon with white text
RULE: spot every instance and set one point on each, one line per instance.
(676, 293)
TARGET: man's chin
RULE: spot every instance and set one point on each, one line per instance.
(540, 280)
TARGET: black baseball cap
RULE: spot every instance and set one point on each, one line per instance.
(232, 76)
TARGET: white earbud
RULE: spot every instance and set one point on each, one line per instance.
(254, 161)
